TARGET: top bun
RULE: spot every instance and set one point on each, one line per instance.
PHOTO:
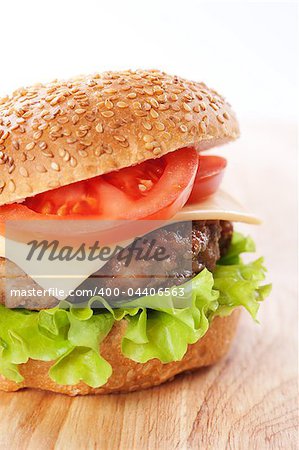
(55, 134)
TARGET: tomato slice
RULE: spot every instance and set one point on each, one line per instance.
(208, 177)
(154, 189)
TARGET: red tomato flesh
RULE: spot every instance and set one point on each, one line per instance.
(208, 177)
(154, 189)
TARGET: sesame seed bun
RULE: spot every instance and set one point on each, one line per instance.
(127, 375)
(55, 134)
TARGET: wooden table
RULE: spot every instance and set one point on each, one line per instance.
(248, 400)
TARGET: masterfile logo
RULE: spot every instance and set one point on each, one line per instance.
(118, 266)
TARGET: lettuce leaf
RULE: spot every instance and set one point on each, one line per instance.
(239, 284)
(165, 333)
(55, 335)
(71, 337)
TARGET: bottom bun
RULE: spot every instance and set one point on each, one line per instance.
(128, 375)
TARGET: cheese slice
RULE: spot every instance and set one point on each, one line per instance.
(220, 206)
(58, 277)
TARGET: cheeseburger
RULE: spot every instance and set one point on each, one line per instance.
(113, 149)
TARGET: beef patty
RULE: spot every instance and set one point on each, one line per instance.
(200, 246)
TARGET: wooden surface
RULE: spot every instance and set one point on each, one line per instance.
(248, 400)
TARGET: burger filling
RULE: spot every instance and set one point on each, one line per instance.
(207, 242)
(156, 327)
(159, 324)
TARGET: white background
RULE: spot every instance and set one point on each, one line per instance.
(246, 50)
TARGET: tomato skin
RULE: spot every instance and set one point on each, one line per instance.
(170, 180)
(208, 177)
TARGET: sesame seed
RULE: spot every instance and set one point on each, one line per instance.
(132, 95)
(71, 140)
(220, 118)
(55, 166)
(55, 128)
(110, 91)
(99, 128)
(11, 168)
(63, 120)
(108, 104)
(149, 146)
(85, 143)
(119, 138)
(73, 162)
(98, 151)
(202, 127)
(23, 172)
(160, 126)
(154, 114)
(81, 133)
(173, 97)
(183, 128)
(80, 111)
(186, 107)
(75, 119)
(5, 135)
(188, 97)
(30, 146)
(154, 103)
(226, 115)
(147, 106)
(148, 90)
(16, 145)
(43, 126)
(162, 98)
(121, 104)
(137, 105)
(175, 107)
(166, 136)
(188, 117)
(66, 157)
(11, 186)
(147, 138)
(84, 127)
(107, 113)
(37, 135)
(90, 117)
(27, 188)
(109, 149)
(43, 145)
(40, 168)
(47, 153)
(147, 125)
(215, 107)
